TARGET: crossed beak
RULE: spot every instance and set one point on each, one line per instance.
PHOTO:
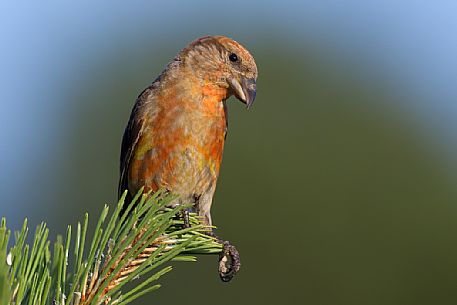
(245, 89)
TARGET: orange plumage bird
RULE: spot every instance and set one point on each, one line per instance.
(175, 136)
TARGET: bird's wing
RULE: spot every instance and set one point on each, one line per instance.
(132, 133)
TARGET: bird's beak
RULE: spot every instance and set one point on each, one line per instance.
(245, 89)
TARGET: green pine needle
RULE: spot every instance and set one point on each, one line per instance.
(129, 244)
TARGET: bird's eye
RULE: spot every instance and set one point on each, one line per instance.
(233, 57)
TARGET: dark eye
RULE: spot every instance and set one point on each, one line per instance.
(233, 57)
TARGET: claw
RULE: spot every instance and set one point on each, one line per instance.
(185, 218)
(229, 262)
(229, 259)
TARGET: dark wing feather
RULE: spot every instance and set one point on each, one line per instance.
(131, 135)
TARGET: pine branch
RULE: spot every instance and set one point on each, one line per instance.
(131, 244)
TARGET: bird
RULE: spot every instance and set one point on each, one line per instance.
(174, 139)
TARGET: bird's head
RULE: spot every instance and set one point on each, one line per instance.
(223, 62)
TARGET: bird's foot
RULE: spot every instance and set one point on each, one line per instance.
(229, 262)
(229, 259)
(185, 218)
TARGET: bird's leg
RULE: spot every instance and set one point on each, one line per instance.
(185, 218)
(229, 259)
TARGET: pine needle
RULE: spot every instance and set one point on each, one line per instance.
(128, 246)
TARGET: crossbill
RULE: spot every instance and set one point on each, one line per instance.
(175, 136)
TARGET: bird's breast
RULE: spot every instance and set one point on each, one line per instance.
(182, 147)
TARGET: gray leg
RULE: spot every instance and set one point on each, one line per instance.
(229, 258)
(185, 218)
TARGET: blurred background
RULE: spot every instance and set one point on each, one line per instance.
(338, 186)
